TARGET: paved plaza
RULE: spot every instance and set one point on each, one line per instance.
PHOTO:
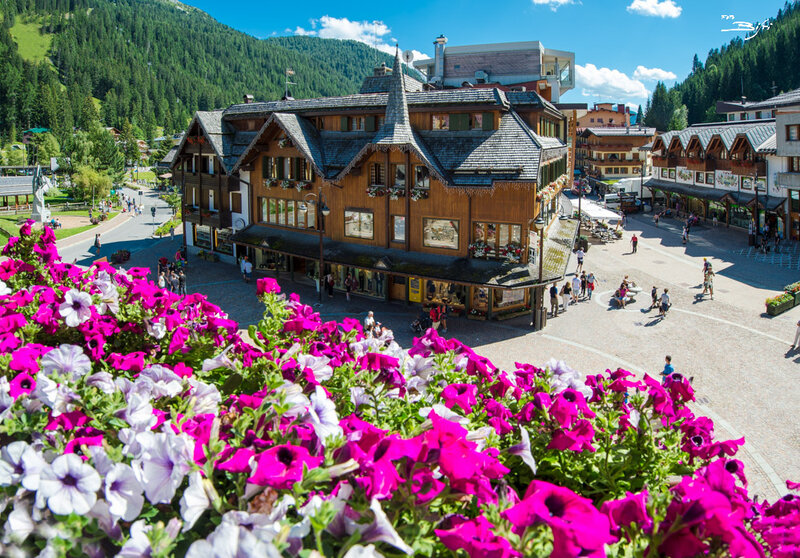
(745, 377)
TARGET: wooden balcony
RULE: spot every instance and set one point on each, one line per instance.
(215, 219)
(664, 161)
(694, 164)
(749, 168)
(191, 214)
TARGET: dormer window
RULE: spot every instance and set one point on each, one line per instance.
(441, 122)
(358, 123)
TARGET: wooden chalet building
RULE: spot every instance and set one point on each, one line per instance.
(727, 170)
(422, 195)
(614, 152)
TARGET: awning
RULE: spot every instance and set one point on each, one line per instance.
(594, 210)
(701, 192)
(469, 271)
(770, 203)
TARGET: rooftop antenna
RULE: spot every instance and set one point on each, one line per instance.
(289, 72)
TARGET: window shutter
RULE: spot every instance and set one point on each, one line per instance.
(280, 165)
(343, 123)
(265, 167)
(297, 171)
(459, 121)
(488, 121)
(370, 124)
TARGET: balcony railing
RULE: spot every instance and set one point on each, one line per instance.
(697, 164)
(191, 214)
(659, 161)
(749, 168)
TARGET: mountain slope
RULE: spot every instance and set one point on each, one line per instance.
(746, 67)
(155, 62)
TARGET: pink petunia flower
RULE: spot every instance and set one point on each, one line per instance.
(282, 466)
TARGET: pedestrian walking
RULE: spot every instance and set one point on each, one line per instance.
(97, 243)
(329, 284)
(174, 282)
(708, 282)
(669, 370)
(634, 243)
(554, 300)
(714, 219)
(796, 344)
(565, 294)
(369, 323)
(590, 284)
(685, 235)
(348, 286)
(580, 254)
(247, 267)
(655, 218)
(181, 282)
(162, 281)
(624, 219)
(583, 283)
(653, 298)
(172, 232)
(576, 288)
(706, 265)
(443, 317)
(665, 303)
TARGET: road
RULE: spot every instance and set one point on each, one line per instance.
(135, 234)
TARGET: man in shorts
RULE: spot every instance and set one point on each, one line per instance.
(580, 254)
(665, 303)
(247, 269)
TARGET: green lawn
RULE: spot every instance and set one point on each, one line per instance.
(32, 44)
(144, 175)
(9, 224)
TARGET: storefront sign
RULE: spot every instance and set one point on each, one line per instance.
(684, 175)
(414, 289)
(505, 298)
(726, 180)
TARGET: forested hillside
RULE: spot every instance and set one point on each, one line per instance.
(152, 62)
(746, 68)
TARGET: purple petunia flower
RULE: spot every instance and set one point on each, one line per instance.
(69, 485)
(76, 308)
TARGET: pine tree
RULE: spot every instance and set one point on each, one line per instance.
(639, 116)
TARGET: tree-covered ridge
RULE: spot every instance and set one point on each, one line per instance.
(155, 62)
(746, 67)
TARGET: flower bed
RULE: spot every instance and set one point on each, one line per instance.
(794, 290)
(779, 304)
(137, 421)
(376, 190)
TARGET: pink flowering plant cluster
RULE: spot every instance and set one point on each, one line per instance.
(137, 422)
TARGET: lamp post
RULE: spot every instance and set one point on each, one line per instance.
(536, 320)
(757, 210)
(322, 211)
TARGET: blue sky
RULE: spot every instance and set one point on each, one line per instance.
(621, 46)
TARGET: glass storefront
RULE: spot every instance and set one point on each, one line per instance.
(480, 299)
(267, 260)
(202, 236)
(222, 241)
(740, 216)
(370, 283)
(718, 209)
(440, 292)
(511, 298)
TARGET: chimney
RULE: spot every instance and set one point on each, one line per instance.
(248, 99)
(382, 70)
(438, 58)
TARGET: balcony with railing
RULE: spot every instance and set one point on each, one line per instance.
(698, 164)
(191, 214)
(659, 161)
(749, 168)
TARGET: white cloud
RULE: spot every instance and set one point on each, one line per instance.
(554, 4)
(654, 74)
(607, 83)
(373, 33)
(656, 8)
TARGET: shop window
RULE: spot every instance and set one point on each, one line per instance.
(793, 132)
(236, 202)
(440, 233)
(507, 298)
(422, 176)
(441, 122)
(399, 176)
(710, 178)
(794, 201)
(359, 224)
(376, 175)
(699, 177)
(222, 241)
(480, 299)
(440, 292)
(281, 212)
(794, 164)
(273, 211)
(497, 240)
(311, 216)
(398, 228)
(202, 236)
(302, 211)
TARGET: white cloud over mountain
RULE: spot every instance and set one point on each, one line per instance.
(653, 74)
(608, 83)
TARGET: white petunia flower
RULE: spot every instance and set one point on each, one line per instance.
(380, 530)
(443, 412)
(322, 415)
(11, 468)
(76, 308)
(139, 412)
(239, 535)
(4, 290)
(219, 361)
(319, 366)
(163, 465)
(165, 382)
(68, 361)
(156, 328)
(194, 501)
(419, 365)
(102, 381)
(19, 524)
(58, 397)
(206, 397)
(359, 396)
(108, 522)
(123, 492)
(138, 544)
(69, 485)
(523, 450)
(359, 551)
(294, 397)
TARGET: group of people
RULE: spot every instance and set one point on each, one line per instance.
(708, 278)
(623, 293)
(373, 328)
(572, 291)
(133, 207)
(246, 267)
(171, 275)
(55, 223)
(662, 302)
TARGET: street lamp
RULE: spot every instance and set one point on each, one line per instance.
(538, 304)
(322, 211)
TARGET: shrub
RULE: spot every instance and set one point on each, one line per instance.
(138, 421)
(792, 288)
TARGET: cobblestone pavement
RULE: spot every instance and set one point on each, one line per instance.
(744, 376)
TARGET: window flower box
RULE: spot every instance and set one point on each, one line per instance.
(270, 182)
(376, 190)
(300, 186)
(779, 304)
(512, 252)
(419, 194)
(396, 193)
(478, 249)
